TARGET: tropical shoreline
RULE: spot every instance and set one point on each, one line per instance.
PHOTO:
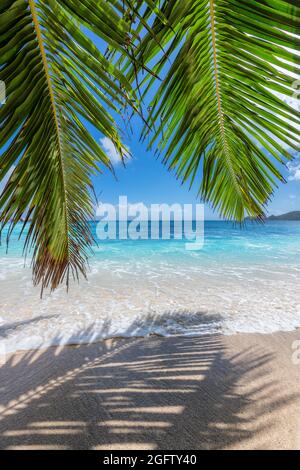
(207, 392)
(242, 281)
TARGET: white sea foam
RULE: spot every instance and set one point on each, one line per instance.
(133, 297)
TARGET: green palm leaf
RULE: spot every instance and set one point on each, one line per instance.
(219, 116)
(55, 78)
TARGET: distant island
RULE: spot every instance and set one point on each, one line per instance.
(295, 215)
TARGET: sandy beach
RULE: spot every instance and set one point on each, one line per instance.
(209, 392)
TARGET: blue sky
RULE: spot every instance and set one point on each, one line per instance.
(146, 180)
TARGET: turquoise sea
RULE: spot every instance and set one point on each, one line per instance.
(243, 280)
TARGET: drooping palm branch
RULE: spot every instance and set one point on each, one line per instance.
(56, 80)
(218, 116)
(220, 113)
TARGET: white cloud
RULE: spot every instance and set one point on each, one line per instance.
(294, 101)
(294, 169)
(110, 150)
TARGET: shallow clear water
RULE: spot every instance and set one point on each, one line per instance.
(244, 280)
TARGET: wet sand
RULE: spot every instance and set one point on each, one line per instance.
(208, 392)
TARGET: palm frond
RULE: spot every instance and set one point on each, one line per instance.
(220, 117)
(56, 78)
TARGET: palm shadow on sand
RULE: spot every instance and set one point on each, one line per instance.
(147, 393)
